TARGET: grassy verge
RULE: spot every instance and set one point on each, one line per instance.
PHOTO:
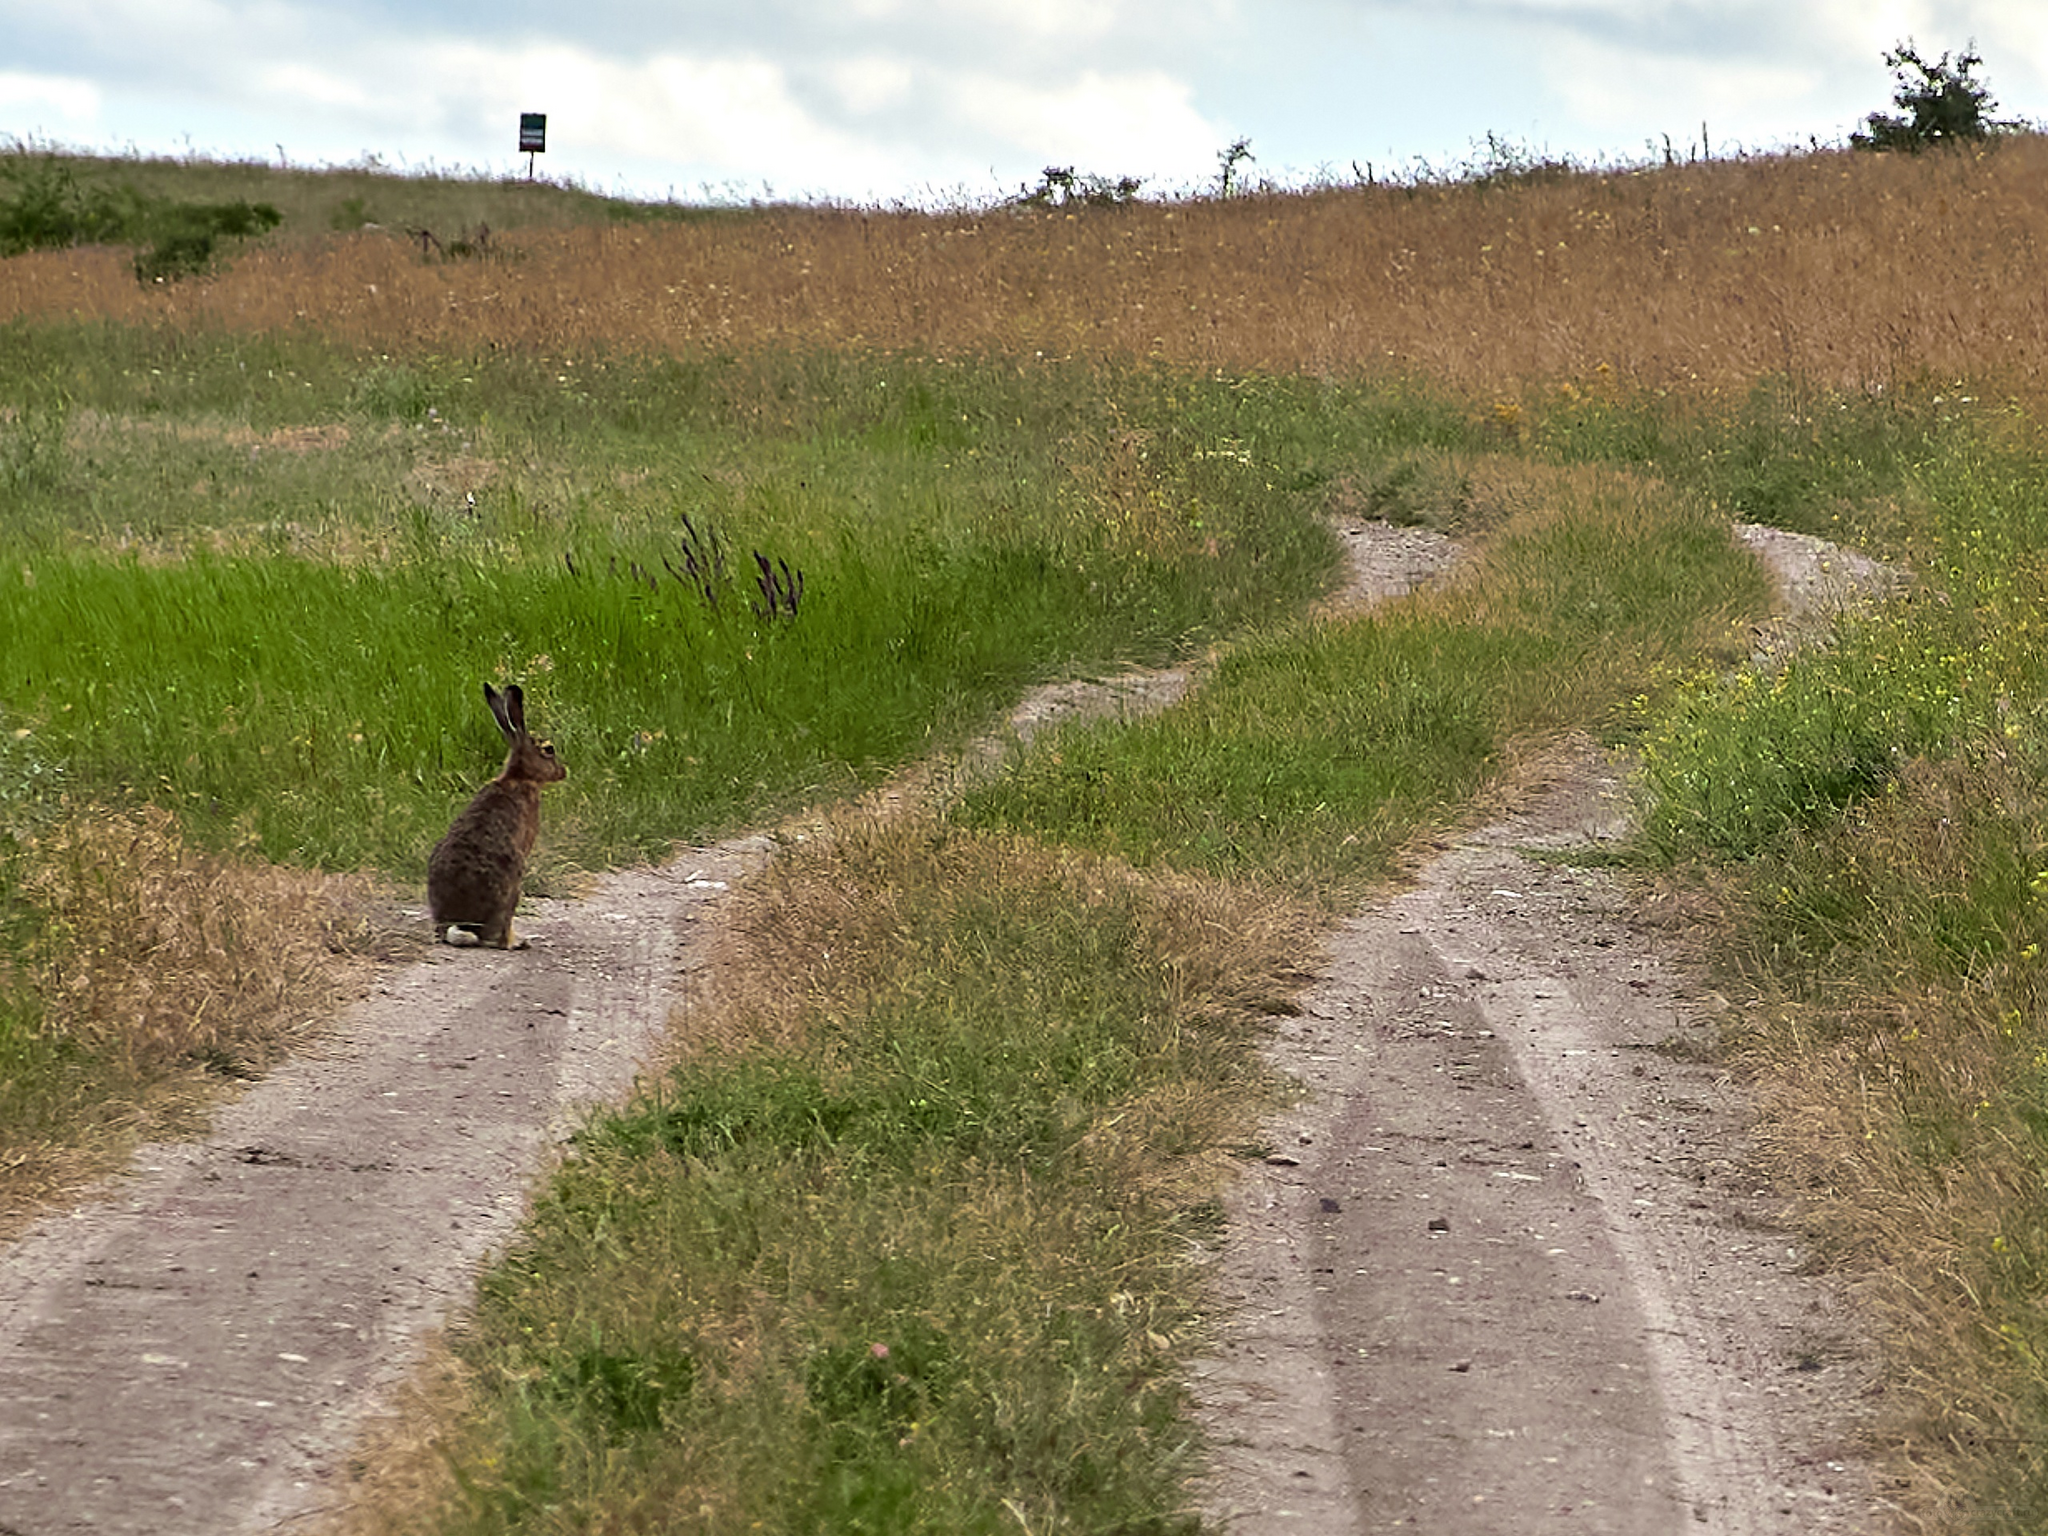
(1685, 280)
(138, 973)
(913, 1240)
(324, 201)
(273, 617)
(1875, 819)
(310, 571)
(326, 541)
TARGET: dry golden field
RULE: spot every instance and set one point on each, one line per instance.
(1842, 270)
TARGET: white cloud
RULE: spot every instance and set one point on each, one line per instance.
(1142, 123)
(1618, 95)
(1076, 22)
(737, 116)
(871, 84)
(1757, 85)
(861, 98)
(302, 83)
(74, 103)
(870, 126)
(724, 118)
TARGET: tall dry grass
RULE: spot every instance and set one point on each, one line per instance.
(1837, 269)
(1901, 1099)
(160, 968)
(156, 951)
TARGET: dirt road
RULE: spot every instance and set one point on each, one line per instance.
(192, 1352)
(1510, 1268)
(1507, 1270)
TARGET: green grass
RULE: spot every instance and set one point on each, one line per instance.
(912, 1251)
(46, 1087)
(285, 641)
(1307, 758)
(1315, 752)
(1876, 815)
(1740, 765)
(258, 579)
(314, 202)
(1783, 454)
(949, 1081)
(912, 1242)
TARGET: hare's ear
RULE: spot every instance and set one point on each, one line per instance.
(507, 709)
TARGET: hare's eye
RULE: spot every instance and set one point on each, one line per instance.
(547, 749)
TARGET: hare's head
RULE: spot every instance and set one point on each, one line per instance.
(528, 760)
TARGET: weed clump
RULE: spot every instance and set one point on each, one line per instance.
(1874, 815)
(153, 952)
(1312, 754)
(1061, 186)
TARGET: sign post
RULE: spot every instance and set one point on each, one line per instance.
(533, 137)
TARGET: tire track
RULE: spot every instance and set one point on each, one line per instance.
(1509, 1268)
(192, 1350)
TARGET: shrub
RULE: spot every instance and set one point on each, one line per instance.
(1060, 186)
(178, 239)
(1941, 102)
(1227, 162)
(46, 207)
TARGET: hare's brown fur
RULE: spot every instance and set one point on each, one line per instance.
(475, 873)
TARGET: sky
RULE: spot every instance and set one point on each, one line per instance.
(937, 102)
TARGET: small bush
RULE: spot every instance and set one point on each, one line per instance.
(388, 391)
(180, 239)
(464, 245)
(1940, 103)
(1227, 162)
(32, 453)
(46, 208)
(1062, 187)
(350, 213)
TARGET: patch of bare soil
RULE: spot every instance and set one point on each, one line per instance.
(1506, 1270)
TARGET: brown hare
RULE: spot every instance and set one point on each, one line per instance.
(475, 872)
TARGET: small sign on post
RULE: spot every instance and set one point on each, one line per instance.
(533, 137)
